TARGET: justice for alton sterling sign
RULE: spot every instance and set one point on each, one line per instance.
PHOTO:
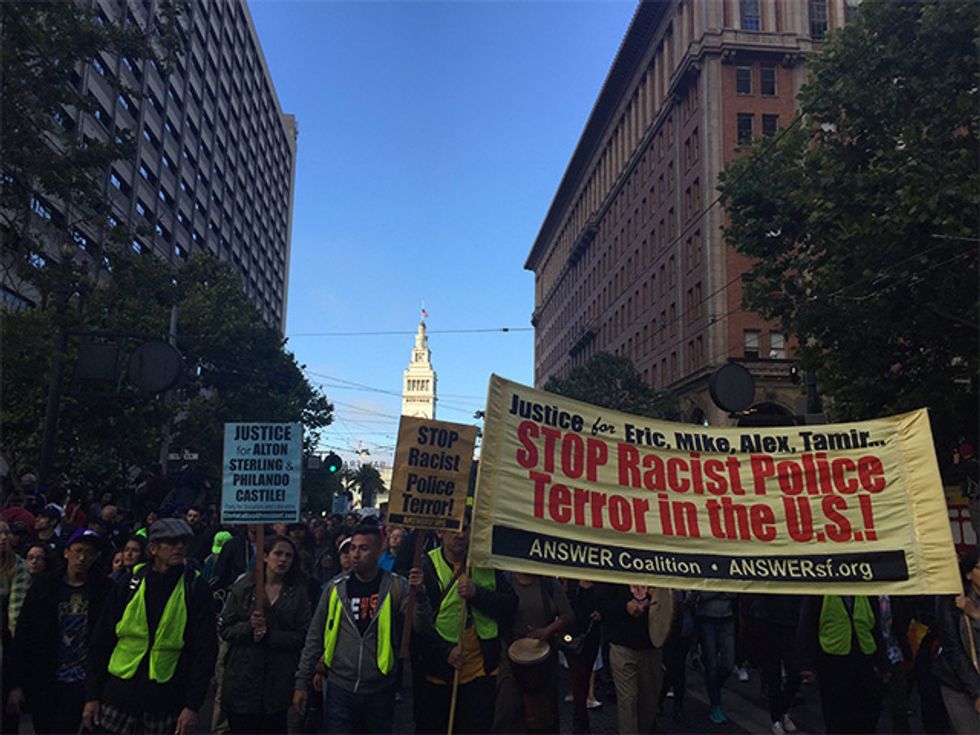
(261, 474)
(432, 473)
(574, 490)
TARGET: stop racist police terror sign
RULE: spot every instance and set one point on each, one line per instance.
(432, 471)
(261, 473)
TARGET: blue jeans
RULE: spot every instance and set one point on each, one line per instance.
(347, 713)
(717, 639)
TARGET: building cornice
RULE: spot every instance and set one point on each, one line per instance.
(631, 52)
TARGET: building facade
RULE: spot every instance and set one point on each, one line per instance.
(216, 156)
(419, 386)
(630, 258)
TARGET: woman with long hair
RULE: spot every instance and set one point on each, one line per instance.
(958, 664)
(133, 553)
(264, 645)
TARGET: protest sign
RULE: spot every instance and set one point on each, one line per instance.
(570, 489)
(261, 473)
(432, 473)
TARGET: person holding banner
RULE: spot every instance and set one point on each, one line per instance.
(636, 621)
(153, 649)
(469, 645)
(841, 635)
(958, 664)
(356, 631)
(264, 645)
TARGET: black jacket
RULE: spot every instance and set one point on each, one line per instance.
(620, 627)
(189, 684)
(234, 560)
(498, 604)
(954, 665)
(36, 647)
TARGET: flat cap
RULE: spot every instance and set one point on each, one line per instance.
(168, 528)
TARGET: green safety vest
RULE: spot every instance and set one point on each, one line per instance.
(133, 634)
(335, 610)
(447, 621)
(836, 625)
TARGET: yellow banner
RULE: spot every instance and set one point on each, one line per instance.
(432, 474)
(574, 490)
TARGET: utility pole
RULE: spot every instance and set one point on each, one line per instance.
(55, 377)
(165, 430)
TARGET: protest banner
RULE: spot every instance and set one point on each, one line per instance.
(431, 474)
(261, 474)
(570, 489)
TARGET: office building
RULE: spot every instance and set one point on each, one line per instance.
(630, 258)
(216, 156)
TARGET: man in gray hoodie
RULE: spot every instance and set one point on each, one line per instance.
(356, 632)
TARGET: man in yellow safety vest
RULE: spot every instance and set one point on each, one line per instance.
(469, 644)
(356, 631)
(840, 636)
(154, 647)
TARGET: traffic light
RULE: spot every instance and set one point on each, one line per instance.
(332, 463)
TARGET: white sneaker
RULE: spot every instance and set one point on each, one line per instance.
(777, 728)
(593, 703)
(569, 698)
(788, 724)
(742, 672)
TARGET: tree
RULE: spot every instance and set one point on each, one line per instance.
(236, 370)
(367, 480)
(612, 382)
(54, 174)
(863, 214)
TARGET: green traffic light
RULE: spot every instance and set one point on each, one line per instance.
(333, 463)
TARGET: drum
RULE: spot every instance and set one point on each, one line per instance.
(529, 662)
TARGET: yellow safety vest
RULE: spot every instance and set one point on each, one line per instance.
(835, 626)
(447, 621)
(133, 635)
(385, 654)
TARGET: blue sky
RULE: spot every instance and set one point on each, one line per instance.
(432, 139)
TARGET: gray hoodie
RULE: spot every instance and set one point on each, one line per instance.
(355, 662)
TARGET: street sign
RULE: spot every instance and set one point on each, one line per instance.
(261, 473)
(432, 472)
(341, 503)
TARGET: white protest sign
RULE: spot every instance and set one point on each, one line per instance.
(261, 473)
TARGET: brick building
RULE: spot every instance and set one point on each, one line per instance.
(630, 258)
(216, 156)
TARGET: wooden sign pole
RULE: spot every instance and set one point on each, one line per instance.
(464, 609)
(259, 567)
(412, 591)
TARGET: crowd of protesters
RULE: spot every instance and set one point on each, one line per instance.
(134, 617)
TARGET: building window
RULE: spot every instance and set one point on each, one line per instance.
(767, 81)
(744, 128)
(770, 123)
(99, 67)
(818, 19)
(777, 345)
(743, 80)
(751, 338)
(115, 181)
(750, 15)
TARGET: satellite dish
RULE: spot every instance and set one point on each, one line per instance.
(155, 366)
(732, 387)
